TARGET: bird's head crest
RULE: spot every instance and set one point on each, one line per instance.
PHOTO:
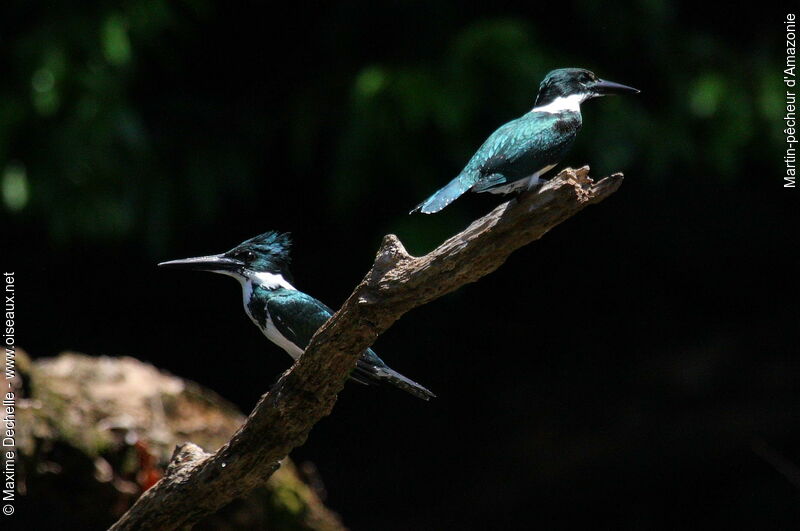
(267, 252)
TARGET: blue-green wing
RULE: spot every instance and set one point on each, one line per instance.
(524, 146)
(297, 316)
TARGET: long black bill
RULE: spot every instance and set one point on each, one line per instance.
(214, 262)
(601, 86)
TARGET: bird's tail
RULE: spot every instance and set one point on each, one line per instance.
(444, 196)
(367, 372)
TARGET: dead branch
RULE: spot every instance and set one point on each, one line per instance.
(199, 483)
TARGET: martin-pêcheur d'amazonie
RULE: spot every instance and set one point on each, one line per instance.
(288, 317)
(517, 154)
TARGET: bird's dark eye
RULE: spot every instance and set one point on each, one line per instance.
(245, 256)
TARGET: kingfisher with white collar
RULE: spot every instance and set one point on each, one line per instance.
(517, 154)
(287, 316)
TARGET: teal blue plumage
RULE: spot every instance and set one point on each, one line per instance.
(518, 152)
(298, 316)
(515, 151)
(287, 317)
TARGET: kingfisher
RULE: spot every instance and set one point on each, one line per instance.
(518, 153)
(287, 316)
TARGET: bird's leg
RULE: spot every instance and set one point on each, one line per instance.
(536, 179)
(533, 181)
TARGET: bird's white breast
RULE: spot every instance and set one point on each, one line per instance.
(274, 335)
(569, 103)
(270, 281)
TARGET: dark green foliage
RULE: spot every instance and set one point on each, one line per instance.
(116, 123)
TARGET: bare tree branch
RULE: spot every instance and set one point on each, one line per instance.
(198, 483)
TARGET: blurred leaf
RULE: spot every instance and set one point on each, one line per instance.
(116, 45)
(15, 187)
(706, 94)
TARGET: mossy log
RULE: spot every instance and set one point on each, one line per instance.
(93, 433)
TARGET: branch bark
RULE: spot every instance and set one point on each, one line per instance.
(198, 483)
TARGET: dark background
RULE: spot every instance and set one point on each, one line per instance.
(630, 370)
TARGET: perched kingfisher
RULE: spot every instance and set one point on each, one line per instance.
(287, 316)
(517, 154)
